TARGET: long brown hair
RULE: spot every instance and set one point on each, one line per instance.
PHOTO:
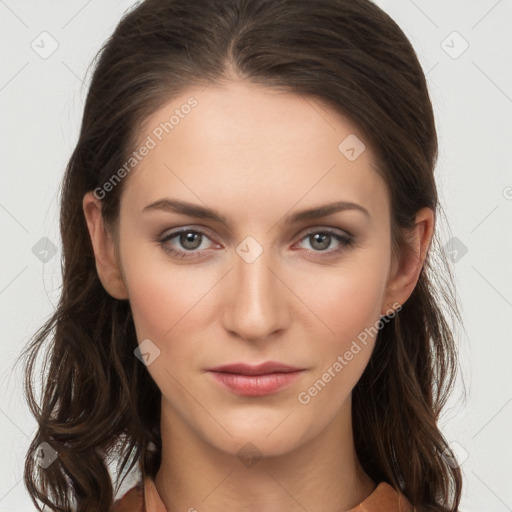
(98, 402)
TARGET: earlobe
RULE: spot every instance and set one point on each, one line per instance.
(405, 273)
(107, 265)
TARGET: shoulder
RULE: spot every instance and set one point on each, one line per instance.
(384, 499)
(131, 501)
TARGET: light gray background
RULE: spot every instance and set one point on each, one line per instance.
(41, 101)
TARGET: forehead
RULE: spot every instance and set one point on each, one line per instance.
(239, 140)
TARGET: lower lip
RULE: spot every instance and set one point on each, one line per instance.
(255, 385)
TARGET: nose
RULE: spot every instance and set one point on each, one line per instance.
(256, 303)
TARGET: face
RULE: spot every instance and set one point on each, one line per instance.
(255, 284)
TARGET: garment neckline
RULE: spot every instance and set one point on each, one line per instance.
(153, 502)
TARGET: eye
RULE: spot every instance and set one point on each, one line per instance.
(189, 239)
(320, 240)
(190, 242)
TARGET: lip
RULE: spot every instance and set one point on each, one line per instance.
(257, 369)
(255, 380)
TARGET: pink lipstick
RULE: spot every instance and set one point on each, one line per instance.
(255, 380)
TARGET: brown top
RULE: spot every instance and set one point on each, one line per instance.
(383, 499)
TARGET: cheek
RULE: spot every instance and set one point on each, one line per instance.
(168, 302)
(163, 302)
(350, 307)
(347, 306)
(347, 301)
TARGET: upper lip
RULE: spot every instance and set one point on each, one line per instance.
(258, 369)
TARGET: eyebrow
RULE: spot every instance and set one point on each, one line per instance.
(194, 210)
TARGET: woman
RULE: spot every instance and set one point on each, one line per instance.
(249, 311)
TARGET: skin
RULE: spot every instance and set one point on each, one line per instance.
(256, 155)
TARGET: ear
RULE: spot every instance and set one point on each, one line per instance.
(108, 268)
(405, 271)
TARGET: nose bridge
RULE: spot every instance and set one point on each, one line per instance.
(256, 304)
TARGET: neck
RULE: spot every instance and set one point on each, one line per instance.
(322, 473)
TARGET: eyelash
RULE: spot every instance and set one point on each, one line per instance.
(347, 241)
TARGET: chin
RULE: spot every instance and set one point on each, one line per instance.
(251, 438)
